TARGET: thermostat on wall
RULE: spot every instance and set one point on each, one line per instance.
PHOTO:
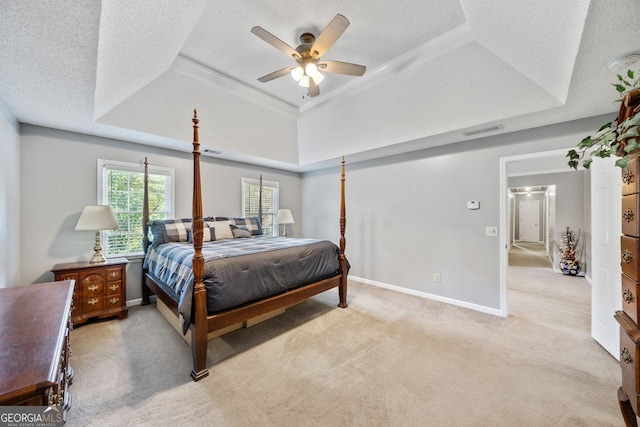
(473, 204)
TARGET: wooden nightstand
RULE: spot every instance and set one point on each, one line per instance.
(100, 291)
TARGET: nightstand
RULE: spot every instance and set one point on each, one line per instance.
(100, 291)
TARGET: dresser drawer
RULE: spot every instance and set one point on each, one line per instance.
(92, 304)
(630, 177)
(113, 301)
(629, 353)
(630, 209)
(114, 274)
(630, 290)
(114, 288)
(629, 256)
(91, 290)
(92, 276)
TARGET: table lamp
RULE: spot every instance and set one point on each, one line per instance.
(97, 217)
(285, 217)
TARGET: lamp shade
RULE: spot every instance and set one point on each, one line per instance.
(97, 217)
(285, 217)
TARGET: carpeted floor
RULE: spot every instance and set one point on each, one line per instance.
(529, 255)
(390, 359)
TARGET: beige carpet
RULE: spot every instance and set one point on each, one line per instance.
(389, 359)
(529, 255)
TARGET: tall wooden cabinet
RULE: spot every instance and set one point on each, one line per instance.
(629, 392)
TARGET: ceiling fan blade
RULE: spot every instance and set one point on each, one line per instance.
(275, 42)
(339, 67)
(329, 35)
(314, 89)
(275, 75)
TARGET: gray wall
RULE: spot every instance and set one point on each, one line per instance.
(9, 198)
(407, 217)
(58, 177)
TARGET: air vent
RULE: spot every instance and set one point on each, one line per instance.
(485, 130)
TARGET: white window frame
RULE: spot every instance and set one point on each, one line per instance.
(275, 185)
(102, 192)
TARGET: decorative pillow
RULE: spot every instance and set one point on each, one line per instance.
(240, 232)
(252, 224)
(220, 230)
(170, 230)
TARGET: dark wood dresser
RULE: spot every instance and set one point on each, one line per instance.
(629, 392)
(101, 289)
(34, 345)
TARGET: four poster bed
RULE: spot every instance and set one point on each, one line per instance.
(213, 285)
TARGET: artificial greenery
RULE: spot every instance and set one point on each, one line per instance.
(612, 139)
(570, 251)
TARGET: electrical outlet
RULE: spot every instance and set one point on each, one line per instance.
(436, 277)
(491, 231)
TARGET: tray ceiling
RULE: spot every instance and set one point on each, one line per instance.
(438, 72)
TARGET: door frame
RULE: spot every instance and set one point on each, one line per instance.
(504, 216)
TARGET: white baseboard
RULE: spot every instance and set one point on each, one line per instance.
(138, 301)
(588, 279)
(463, 304)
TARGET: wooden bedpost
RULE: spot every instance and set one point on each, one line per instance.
(342, 289)
(199, 325)
(145, 230)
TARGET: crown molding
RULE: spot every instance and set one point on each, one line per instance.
(196, 71)
(426, 52)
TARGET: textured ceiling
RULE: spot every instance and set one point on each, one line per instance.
(436, 70)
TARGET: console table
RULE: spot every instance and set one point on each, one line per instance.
(34, 345)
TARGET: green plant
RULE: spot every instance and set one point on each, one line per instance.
(613, 138)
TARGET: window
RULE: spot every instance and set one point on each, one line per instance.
(121, 186)
(250, 203)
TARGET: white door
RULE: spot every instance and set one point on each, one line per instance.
(529, 220)
(606, 222)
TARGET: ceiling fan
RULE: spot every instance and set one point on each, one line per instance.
(308, 56)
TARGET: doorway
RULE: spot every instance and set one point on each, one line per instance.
(533, 172)
(601, 190)
(528, 215)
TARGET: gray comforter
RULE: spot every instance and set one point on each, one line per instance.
(239, 271)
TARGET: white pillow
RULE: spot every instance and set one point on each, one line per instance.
(222, 229)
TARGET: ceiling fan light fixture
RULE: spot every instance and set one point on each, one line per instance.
(308, 56)
(317, 78)
(297, 73)
(310, 69)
